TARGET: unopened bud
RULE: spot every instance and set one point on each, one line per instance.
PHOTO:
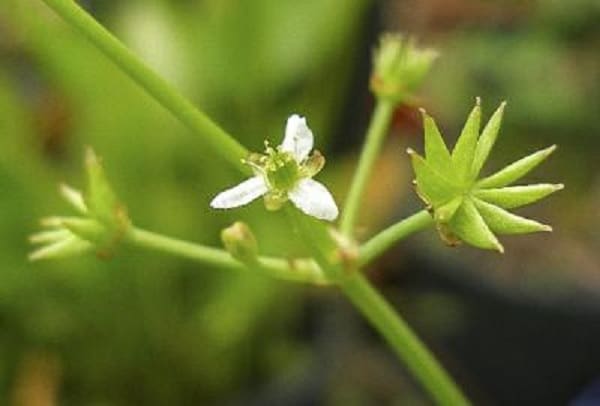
(239, 240)
(399, 67)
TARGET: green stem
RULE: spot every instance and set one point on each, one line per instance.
(419, 360)
(156, 86)
(294, 270)
(379, 313)
(375, 136)
(391, 235)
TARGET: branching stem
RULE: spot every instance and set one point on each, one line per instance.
(301, 270)
(391, 235)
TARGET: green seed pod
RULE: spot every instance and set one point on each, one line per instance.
(468, 209)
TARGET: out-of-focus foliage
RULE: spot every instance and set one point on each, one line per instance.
(147, 329)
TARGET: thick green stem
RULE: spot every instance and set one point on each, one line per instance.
(158, 88)
(375, 136)
(303, 270)
(403, 341)
(391, 235)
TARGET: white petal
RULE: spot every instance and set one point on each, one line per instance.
(298, 138)
(314, 199)
(241, 194)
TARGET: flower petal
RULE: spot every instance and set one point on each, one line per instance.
(241, 194)
(298, 138)
(312, 198)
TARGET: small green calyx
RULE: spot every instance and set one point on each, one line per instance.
(100, 226)
(463, 207)
(399, 67)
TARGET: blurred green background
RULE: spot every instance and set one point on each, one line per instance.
(148, 329)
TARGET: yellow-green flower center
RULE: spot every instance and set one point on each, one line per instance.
(282, 171)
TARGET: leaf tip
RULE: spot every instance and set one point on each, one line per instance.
(499, 247)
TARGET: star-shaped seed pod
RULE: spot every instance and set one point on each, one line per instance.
(464, 207)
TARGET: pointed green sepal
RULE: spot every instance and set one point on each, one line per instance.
(462, 155)
(73, 197)
(436, 152)
(470, 227)
(432, 186)
(487, 140)
(516, 196)
(50, 236)
(516, 170)
(503, 222)
(86, 229)
(444, 213)
(60, 249)
(100, 197)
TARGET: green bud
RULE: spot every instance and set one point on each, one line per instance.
(240, 242)
(468, 209)
(102, 224)
(399, 67)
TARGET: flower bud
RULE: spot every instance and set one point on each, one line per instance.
(399, 67)
(240, 242)
(102, 223)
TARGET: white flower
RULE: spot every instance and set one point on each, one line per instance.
(285, 173)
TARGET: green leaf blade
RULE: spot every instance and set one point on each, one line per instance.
(504, 222)
(487, 140)
(470, 226)
(516, 170)
(516, 196)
